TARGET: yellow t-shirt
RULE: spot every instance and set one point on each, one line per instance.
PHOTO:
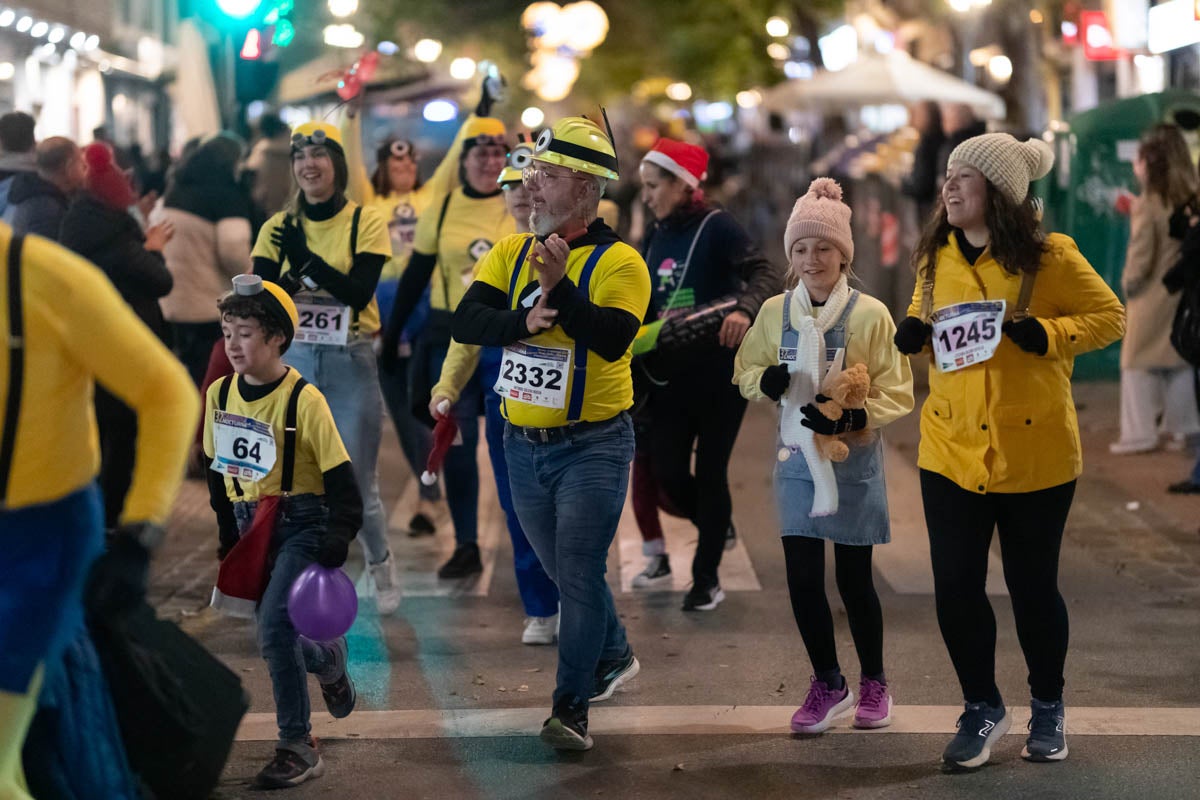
(471, 227)
(319, 448)
(621, 280)
(330, 239)
(76, 329)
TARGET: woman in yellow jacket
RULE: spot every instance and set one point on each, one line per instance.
(1005, 309)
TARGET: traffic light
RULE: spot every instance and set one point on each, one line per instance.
(252, 46)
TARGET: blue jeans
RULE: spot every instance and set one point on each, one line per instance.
(415, 438)
(290, 656)
(539, 595)
(461, 469)
(349, 379)
(569, 495)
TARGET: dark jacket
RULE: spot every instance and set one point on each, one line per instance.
(112, 240)
(207, 188)
(38, 205)
(922, 183)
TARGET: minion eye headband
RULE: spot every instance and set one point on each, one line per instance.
(400, 149)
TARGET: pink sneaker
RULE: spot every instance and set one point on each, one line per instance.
(874, 705)
(820, 707)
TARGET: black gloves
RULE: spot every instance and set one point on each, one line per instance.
(774, 381)
(1028, 334)
(333, 551)
(490, 93)
(911, 334)
(389, 353)
(289, 238)
(852, 419)
(117, 582)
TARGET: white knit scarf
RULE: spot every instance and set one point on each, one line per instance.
(804, 384)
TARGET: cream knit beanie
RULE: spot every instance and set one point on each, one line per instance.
(1010, 165)
(822, 213)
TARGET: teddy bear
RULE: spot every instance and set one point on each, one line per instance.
(845, 389)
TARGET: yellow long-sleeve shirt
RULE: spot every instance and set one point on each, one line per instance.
(869, 332)
(78, 329)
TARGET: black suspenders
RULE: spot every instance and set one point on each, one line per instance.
(16, 364)
(289, 433)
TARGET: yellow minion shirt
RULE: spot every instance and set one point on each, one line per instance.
(330, 239)
(468, 231)
(319, 448)
(618, 279)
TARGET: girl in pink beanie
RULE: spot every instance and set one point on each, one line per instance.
(798, 343)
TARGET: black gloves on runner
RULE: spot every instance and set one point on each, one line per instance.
(852, 419)
(333, 551)
(774, 381)
(289, 238)
(1028, 334)
(490, 93)
(911, 334)
(117, 582)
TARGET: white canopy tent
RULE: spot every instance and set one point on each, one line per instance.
(878, 80)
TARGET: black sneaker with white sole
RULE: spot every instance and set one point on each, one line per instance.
(657, 573)
(703, 598)
(340, 694)
(610, 675)
(1047, 735)
(567, 726)
(979, 727)
(288, 769)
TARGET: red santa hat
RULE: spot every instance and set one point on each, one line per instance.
(105, 179)
(685, 161)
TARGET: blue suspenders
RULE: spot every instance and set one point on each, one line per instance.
(579, 373)
(789, 340)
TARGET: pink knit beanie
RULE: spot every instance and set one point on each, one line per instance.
(821, 213)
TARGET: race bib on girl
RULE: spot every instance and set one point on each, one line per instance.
(534, 375)
(245, 447)
(966, 333)
(323, 320)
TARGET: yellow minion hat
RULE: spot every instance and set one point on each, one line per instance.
(322, 133)
(579, 144)
(277, 302)
(483, 128)
(520, 158)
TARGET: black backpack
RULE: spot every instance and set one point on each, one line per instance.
(1184, 277)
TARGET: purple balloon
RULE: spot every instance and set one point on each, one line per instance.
(322, 603)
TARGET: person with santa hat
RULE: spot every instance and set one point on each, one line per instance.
(708, 280)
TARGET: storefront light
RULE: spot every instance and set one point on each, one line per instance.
(778, 27)
(343, 36)
(532, 117)
(778, 51)
(749, 98)
(24, 24)
(56, 35)
(92, 42)
(7, 17)
(427, 50)
(679, 92)
(439, 111)
(462, 68)
(7, 70)
(78, 39)
(39, 29)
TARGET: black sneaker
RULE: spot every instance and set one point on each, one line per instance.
(612, 674)
(702, 598)
(979, 727)
(464, 562)
(289, 769)
(1047, 738)
(731, 537)
(567, 727)
(421, 525)
(657, 573)
(340, 695)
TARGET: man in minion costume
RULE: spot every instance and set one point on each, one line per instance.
(453, 234)
(565, 303)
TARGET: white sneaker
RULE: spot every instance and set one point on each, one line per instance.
(657, 573)
(540, 630)
(387, 585)
(1132, 448)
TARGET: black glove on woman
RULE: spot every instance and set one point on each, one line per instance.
(1028, 334)
(852, 419)
(491, 92)
(774, 381)
(911, 334)
(293, 245)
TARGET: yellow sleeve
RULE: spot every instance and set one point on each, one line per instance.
(359, 188)
(128, 360)
(210, 405)
(1089, 314)
(457, 369)
(318, 432)
(623, 284)
(914, 306)
(891, 393)
(759, 349)
(445, 178)
(425, 237)
(494, 268)
(373, 233)
(264, 247)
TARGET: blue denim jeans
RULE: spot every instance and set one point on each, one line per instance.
(461, 467)
(349, 379)
(290, 656)
(539, 595)
(568, 496)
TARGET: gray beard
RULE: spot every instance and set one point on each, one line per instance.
(545, 223)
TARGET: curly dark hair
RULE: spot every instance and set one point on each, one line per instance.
(1015, 234)
(252, 307)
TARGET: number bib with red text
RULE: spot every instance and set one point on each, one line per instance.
(966, 333)
(245, 447)
(534, 375)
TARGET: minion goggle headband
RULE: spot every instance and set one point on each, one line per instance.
(318, 137)
(547, 143)
(483, 139)
(402, 149)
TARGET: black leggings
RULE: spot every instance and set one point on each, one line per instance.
(805, 559)
(1030, 526)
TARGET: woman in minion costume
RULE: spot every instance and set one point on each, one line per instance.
(396, 190)
(328, 251)
(454, 233)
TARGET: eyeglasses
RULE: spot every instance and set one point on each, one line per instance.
(402, 149)
(537, 176)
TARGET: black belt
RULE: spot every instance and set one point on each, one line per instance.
(559, 433)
